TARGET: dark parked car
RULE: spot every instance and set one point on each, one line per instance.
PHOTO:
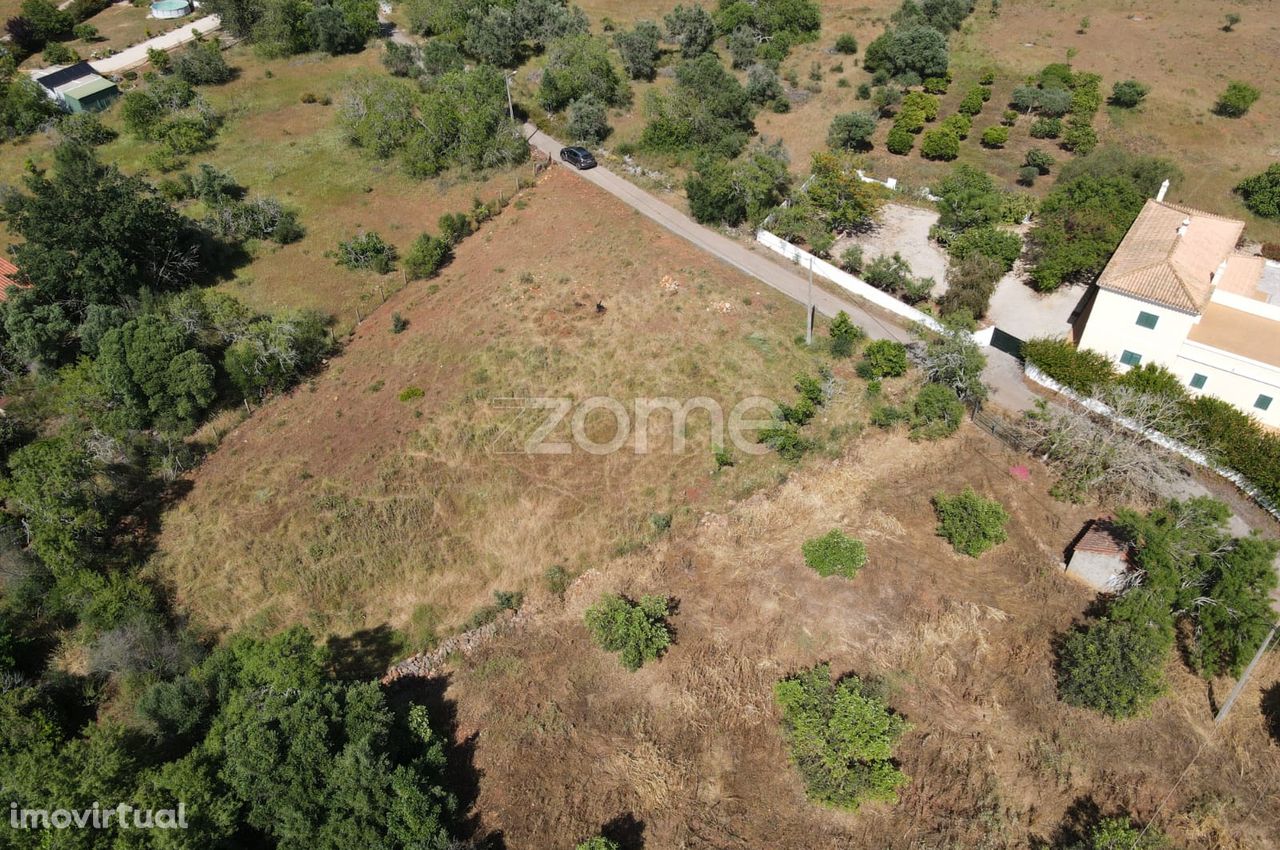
(579, 158)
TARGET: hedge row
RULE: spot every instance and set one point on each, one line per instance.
(1231, 437)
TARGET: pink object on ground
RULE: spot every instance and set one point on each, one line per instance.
(1020, 472)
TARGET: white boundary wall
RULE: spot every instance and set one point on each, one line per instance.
(844, 280)
(1196, 457)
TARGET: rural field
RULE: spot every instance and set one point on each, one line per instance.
(1177, 48)
(687, 752)
(347, 508)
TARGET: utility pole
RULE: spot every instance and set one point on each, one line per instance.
(511, 110)
(808, 336)
(1244, 677)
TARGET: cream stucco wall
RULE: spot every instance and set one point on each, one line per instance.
(1112, 329)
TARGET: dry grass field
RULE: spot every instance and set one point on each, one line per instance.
(687, 751)
(347, 508)
(276, 145)
(1175, 46)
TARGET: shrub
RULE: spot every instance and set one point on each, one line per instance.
(786, 440)
(864, 91)
(454, 227)
(411, 394)
(598, 843)
(900, 141)
(159, 60)
(1116, 664)
(1236, 100)
(941, 143)
(367, 251)
(835, 553)
(1055, 103)
(1027, 175)
(911, 120)
(1082, 370)
(1128, 93)
(935, 85)
(970, 285)
(1004, 246)
(935, 413)
(637, 631)
(588, 120)
(85, 32)
(639, 50)
(202, 63)
(1046, 128)
(851, 259)
(883, 358)
(842, 737)
(958, 124)
(995, 137)
(852, 130)
(844, 335)
(925, 104)
(1040, 160)
(973, 101)
(846, 44)
(1009, 117)
(1079, 138)
(1261, 194)
(57, 53)
(970, 523)
(426, 256)
(399, 324)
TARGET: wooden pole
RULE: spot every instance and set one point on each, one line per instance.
(1244, 677)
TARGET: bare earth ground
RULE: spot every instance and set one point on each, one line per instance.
(687, 752)
(904, 230)
(348, 508)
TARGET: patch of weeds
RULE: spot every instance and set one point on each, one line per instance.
(375, 386)
(557, 580)
(411, 393)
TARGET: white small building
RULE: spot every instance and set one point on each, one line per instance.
(1100, 557)
(1177, 292)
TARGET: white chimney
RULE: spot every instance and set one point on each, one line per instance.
(1164, 187)
(1182, 228)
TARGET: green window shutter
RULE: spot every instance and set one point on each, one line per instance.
(1130, 358)
(1263, 402)
(1198, 381)
(1147, 320)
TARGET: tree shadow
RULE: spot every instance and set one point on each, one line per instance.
(365, 654)
(1270, 704)
(1077, 820)
(625, 830)
(462, 777)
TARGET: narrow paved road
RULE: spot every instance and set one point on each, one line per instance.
(132, 57)
(1003, 373)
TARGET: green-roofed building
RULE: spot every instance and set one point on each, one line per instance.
(90, 96)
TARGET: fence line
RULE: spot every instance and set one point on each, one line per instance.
(1194, 455)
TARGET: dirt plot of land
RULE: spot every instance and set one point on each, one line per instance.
(347, 507)
(687, 752)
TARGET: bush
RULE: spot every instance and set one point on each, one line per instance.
(958, 124)
(1009, 117)
(1128, 93)
(85, 32)
(598, 843)
(911, 120)
(1027, 175)
(851, 259)
(973, 100)
(588, 120)
(970, 523)
(57, 53)
(1236, 100)
(935, 85)
(1046, 128)
(844, 335)
(1082, 370)
(852, 130)
(900, 141)
(995, 137)
(202, 63)
(1116, 664)
(1004, 246)
(970, 285)
(846, 44)
(367, 251)
(935, 413)
(639, 50)
(941, 143)
(918, 101)
(842, 737)
(1079, 138)
(638, 631)
(426, 257)
(1261, 194)
(835, 553)
(1040, 160)
(883, 358)
(399, 324)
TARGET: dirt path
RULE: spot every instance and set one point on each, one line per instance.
(137, 55)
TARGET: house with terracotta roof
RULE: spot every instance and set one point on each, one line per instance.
(1100, 555)
(1178, 292)
(8, 277)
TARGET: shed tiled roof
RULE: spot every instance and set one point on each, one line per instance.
(8, 277)
(1101, 536)
(1170, 254)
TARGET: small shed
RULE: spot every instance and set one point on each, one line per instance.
(8, 277)
(78, 88)
(1100, 556)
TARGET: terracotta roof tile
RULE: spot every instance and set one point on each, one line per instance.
(1102, 536)
(1163, 261)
